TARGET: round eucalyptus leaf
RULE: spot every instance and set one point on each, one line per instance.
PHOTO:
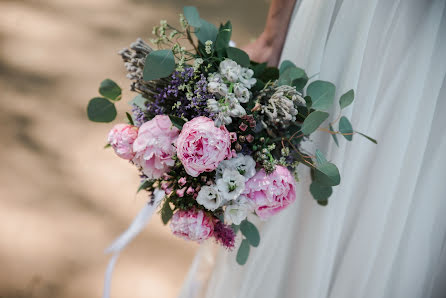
(159, 64)
(313, 121)
(109, 89)
(238, 56)
(320, 192)
(251, 233)
(243, 252)
(100, 109)
(192, 16)
(346, 99)
(322, 94)
(327, 174)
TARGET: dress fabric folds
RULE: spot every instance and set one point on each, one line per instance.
(383, 231)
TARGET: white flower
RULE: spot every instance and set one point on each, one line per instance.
(244, 164)
(216, 85)
(208, 47)
(231, 184)
(241, 92)
(239, 210)
(246, 77)
(197, 64)
(230, 70)
(235, 109)
(209, 197)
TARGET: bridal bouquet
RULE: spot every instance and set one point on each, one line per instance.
(217, 137)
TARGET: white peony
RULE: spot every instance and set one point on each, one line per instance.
(231, 184)
(230, 70)
(244, 164)
(241, 92)
(238, 211)
(209, 197)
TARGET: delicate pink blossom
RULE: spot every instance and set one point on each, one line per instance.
(271, 193)
(192, 225)
(180, 192)
(182, 181)
(201, 146)
(121, 138)
(154, 146)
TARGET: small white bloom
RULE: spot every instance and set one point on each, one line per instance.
(241, 92)
(231, 184)
(246, 77)
(230, 70)
(208, 47)
(209, 197)
(244, 164)
(197, 64)
(239, 210)
(235, 109)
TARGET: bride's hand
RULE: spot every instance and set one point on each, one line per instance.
(262, 50)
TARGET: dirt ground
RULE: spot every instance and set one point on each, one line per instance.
(63, 198)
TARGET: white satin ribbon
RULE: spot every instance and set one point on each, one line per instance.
(134, 229)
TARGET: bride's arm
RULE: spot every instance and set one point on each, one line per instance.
(268, 46)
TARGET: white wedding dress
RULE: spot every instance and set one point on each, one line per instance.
(383, 231)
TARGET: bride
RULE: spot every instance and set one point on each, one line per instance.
(383, 232)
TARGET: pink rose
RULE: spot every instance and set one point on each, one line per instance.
(192, 225)
(121, 138)
(271, 192)
(201, 146)
(154, 146)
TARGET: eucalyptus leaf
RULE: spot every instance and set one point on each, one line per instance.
(322, 202)
(192, 16)
(335, 137)
(345, 127)
(367, 137)
(270, 74)
(285, 65)
(251, 233)
(243, 252)
(290, 75)
(238, 56)
(159, 64)
(235, 228)
(223, 38)
(100, 109)
(177, 121)
(327, 174)
(322, 94)
(259, 69)
(206, 31)
(320, 158)
(346, 99)
(313, 121)
(320, 192)
(139, 101)
(308, 101)
(109, 89)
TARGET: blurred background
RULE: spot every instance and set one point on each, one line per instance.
(63, 198)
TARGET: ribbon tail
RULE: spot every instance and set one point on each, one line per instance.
(133, 230)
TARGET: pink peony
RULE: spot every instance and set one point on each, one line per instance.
(192, 225)
(121, 138)
(271, 192)
(154, 146)
(201, 146)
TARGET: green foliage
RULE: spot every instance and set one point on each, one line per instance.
(345, 127)
(320, 158)
(192, 16)
(346, 99)
(258, 69)
(243, 252)
(238, 56)
(322, 94)
(166, 212)
(177, 121)
(285, 65)
(367, 137)
(288, 76)
(335, 137)
(223, 38)
(139, 101)
(110, 90)
(145, 184)
(251, 233)
(326, 173)
(206, 31)
(313, 121)
(159, 64)
(270, 74)
(100, 109)
(320, 192)
(235, 228)
(129, 117)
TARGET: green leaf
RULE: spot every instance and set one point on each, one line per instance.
(243, 252)
(320, 192)
(110, 90)
(259, 69)
(322, 202)
(270, 74)
(313, 121)
(285, 65)
(320, 158)
(322, 94)
(368, 138)
(100, 109)
(327, 174)
(238, 56)
(206, 31)
(107, 146)
(159, 64)
(177, 121)
(129, 117)
(308, 101)
(335, 137)
(192, 16)
(251, 233)
(345, 127)
(144, 185)
(347, 98)
(166, 212)
(235, 228)
(290, 75)
(300, 83)
(223, 38)
(139, 101)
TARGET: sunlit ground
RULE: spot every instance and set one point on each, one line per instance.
(63, 197)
